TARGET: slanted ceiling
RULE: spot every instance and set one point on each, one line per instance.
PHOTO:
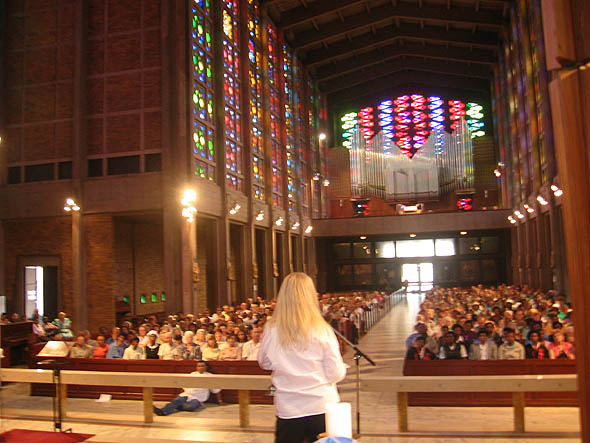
(358, 48)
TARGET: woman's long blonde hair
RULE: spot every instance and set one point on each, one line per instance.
(297, 317)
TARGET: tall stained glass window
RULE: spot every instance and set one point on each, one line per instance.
(202, 122)
(231, 94)
(301, 137)
(292, 163)
(274, 87)
(255, 84)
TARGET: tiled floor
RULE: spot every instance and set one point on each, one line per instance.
(121, 421)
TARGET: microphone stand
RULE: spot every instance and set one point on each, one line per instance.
(357, 357)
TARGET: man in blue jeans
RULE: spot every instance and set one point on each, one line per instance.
(191, 399)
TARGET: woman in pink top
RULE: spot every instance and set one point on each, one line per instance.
(560, 348)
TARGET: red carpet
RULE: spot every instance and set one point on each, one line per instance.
(28, 436)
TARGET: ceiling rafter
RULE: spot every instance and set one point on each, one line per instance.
(429, 81)
(384, 36)
(301, 15)
(403, 64)
(390, 52)
(385, 13)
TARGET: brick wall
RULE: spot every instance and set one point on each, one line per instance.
(38, 237)
(124, 76)
(123, 261)
(39, 80)
(149, 265)
(100, 284)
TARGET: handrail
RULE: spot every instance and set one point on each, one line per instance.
(516, 384)
(147, 381)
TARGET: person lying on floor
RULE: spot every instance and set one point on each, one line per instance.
(191, 399)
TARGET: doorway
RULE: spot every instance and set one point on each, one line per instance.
(40, 291)
(259, 277)
(420, 276)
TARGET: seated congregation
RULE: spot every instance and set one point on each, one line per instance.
(495, 323)
(230, 333)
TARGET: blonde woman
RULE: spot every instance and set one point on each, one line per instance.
(302, 351)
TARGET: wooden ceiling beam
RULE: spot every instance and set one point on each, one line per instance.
(391, 52)
(404, 64)
(417, 81)
(298, 16)
(385, 13)
(389, 34)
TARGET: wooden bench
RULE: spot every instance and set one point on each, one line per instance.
(437, 368)
(241, 367)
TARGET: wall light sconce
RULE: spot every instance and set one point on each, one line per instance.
(556, 191)
(511, 219)
(542, 201)
(279, 221)
(316, 176)
(326, 182)
(260, 215)
(463, 232)
(528, 209)
(412, 235)
(235, 208)
(71, 205)
(519, 214)
(308, 229)
(189, 197)
(322, 136)
(295, 226)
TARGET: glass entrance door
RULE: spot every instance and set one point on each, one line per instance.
(420, 276)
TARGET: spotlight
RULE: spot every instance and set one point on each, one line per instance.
(528, 209)
(519, 214)
(308, 229)
(363, 237)
(541, 200)
(412, 235)
(463, 232)
(554, 188)
(497, 172)
(322, 136)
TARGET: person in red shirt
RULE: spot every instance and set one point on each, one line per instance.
(101, 348)
(535, 349)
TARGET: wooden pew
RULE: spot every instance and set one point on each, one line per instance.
(489, 367)
(154, 366)
(15, 338)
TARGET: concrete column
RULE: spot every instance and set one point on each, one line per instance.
(570, 105)
(80, 312)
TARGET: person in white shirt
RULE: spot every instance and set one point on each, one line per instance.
(251, 347)
(302, 351)
(191, 399)
(134, 351)
(166, 350)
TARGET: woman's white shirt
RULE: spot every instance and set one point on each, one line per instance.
(305, 378)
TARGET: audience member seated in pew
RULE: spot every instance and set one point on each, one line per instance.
(535, 349)
(418, 350)
(191, 399)
(101, 348)
(211, 349)
(231, 351)
(560, 348)
(511, 349)
(485, 349)
(134, 351)
(117, 349)
(451, 349)
(80, 349)
(64, 325)
(152, 349)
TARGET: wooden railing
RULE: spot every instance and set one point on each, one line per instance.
(516, 384)
(147, 381)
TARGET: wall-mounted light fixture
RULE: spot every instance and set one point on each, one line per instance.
(309, 229)
(71, 205)
(279, 221)
(295, 226)
(234, 208)
(189, 197)
(542, 201)
(556, 191)
(260, 215)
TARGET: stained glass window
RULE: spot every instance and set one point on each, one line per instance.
(231, 95)
(274, 88)
(302, 137)
(203, 126)
(292, 163)
(255, 84)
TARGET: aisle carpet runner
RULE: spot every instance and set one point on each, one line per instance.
(28, 436)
